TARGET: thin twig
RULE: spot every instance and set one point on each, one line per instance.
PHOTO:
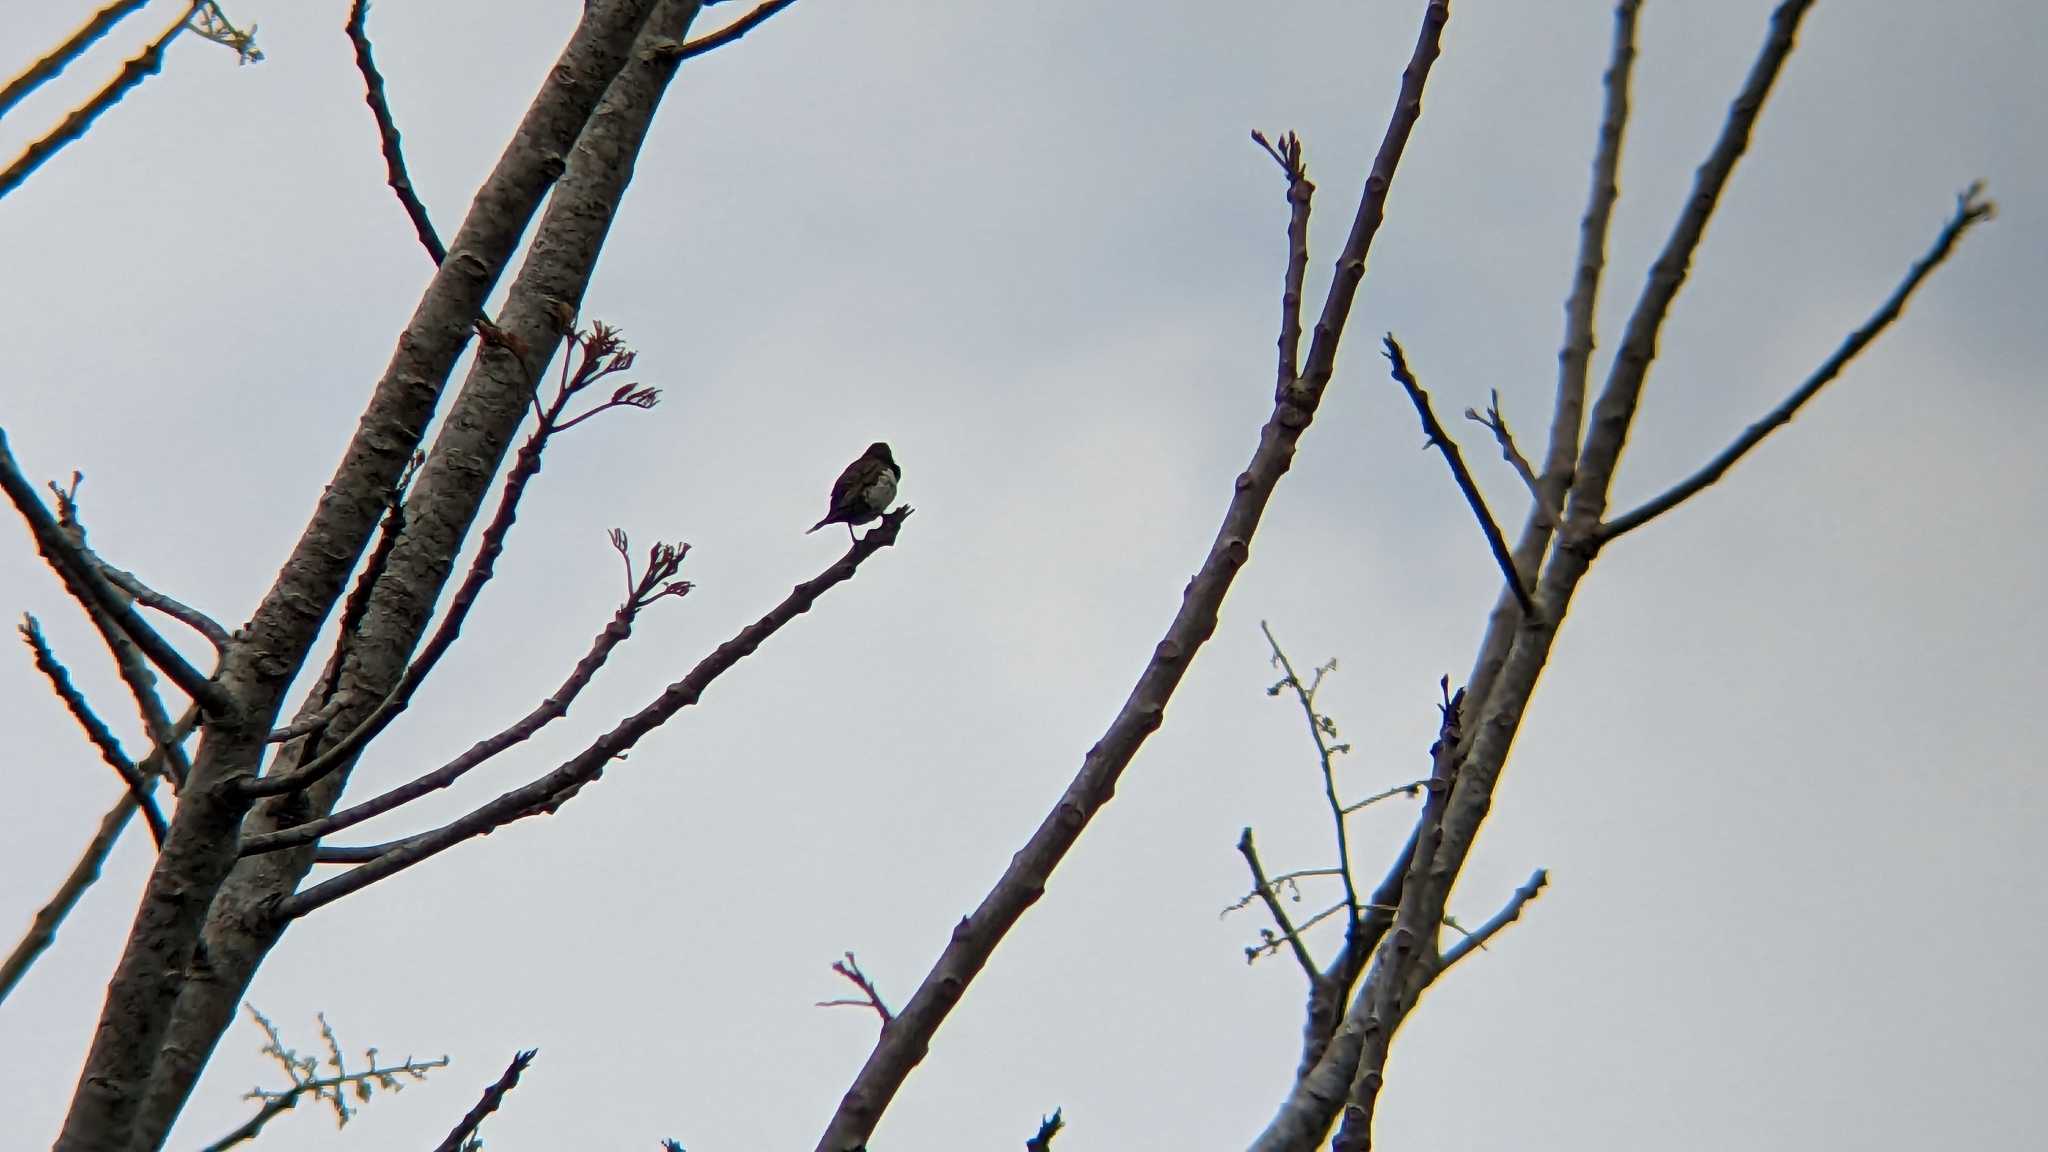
(42, 931)
(732, 31)
(83, 580)
(80, 120)
(47, 68)
(309, 723)
(1412, 788)
(1300, 191)
(177, 610)
(387, 133)
(1476, 939)
(555, 788)
(1263, 889)
(870, 997)
(1319, 727)
(656, 583)
(1497, 424)
(603, 354)
(1441, 440)
(1970, 210)
(96, 729)
(493, 1096)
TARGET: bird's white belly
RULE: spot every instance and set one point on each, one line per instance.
(879, 494)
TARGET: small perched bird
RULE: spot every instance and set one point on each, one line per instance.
(863, 491)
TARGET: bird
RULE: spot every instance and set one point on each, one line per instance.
(863, 491)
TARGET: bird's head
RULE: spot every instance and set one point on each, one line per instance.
(880, 451)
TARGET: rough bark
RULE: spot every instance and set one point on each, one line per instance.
(161, 955)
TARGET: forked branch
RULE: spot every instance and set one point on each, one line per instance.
(1971, 209)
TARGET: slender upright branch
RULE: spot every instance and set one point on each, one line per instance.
(50, 65)
(387, 133)
(1441, 440)
(42, 931)
(96, 729)
(75, 125)
(1319, 729)
(1970, 210)
(1300, 191)
(1510, 912)
(1494, 422)
(551, 790)
(1263, 889)
(459, 1136)
(732, 31)
(974, 939)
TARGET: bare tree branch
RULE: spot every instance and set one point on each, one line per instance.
(1509, 913)
(49, 66)
(1412, 788)
(140, 1069)
(732, 31)
(1320, 727)
(902, 1046)
(1497, 424)
(183, 613)
(870, 996)
(334, 1090)
(1441, 440)
(493, 1096)
(1300, 191)
(603, 354)
(96, 729)
(555, 788)
(82, 578)
(1970, 210)
(387, 133)
(42, 930)
(75, 125)
(655, 583)
(1263, 889)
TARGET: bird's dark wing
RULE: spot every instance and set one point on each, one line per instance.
(846, 489)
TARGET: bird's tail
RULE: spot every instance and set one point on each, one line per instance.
(818, 525)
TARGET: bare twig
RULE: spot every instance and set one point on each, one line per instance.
(1441, 440)
(1497, 424)
(656, 583)
(555, 788)
(1476, 939)
(732, 31)
(387, 133)
(49, 66)
(42, 930)
(1263, 889)
(76, 124)
(1047, 1129)
(81, 576)
(183, 613)
(1412, 788)
(602, 354)
(1320, 727)
(96, 730)
(870, 998)
(974, 939)
(309, 723)
(458, 1138)
(1970, 210)
(1300, 191)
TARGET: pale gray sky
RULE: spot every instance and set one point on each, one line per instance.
(1785, 768)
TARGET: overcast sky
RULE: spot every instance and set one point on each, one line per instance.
(1785, 768)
